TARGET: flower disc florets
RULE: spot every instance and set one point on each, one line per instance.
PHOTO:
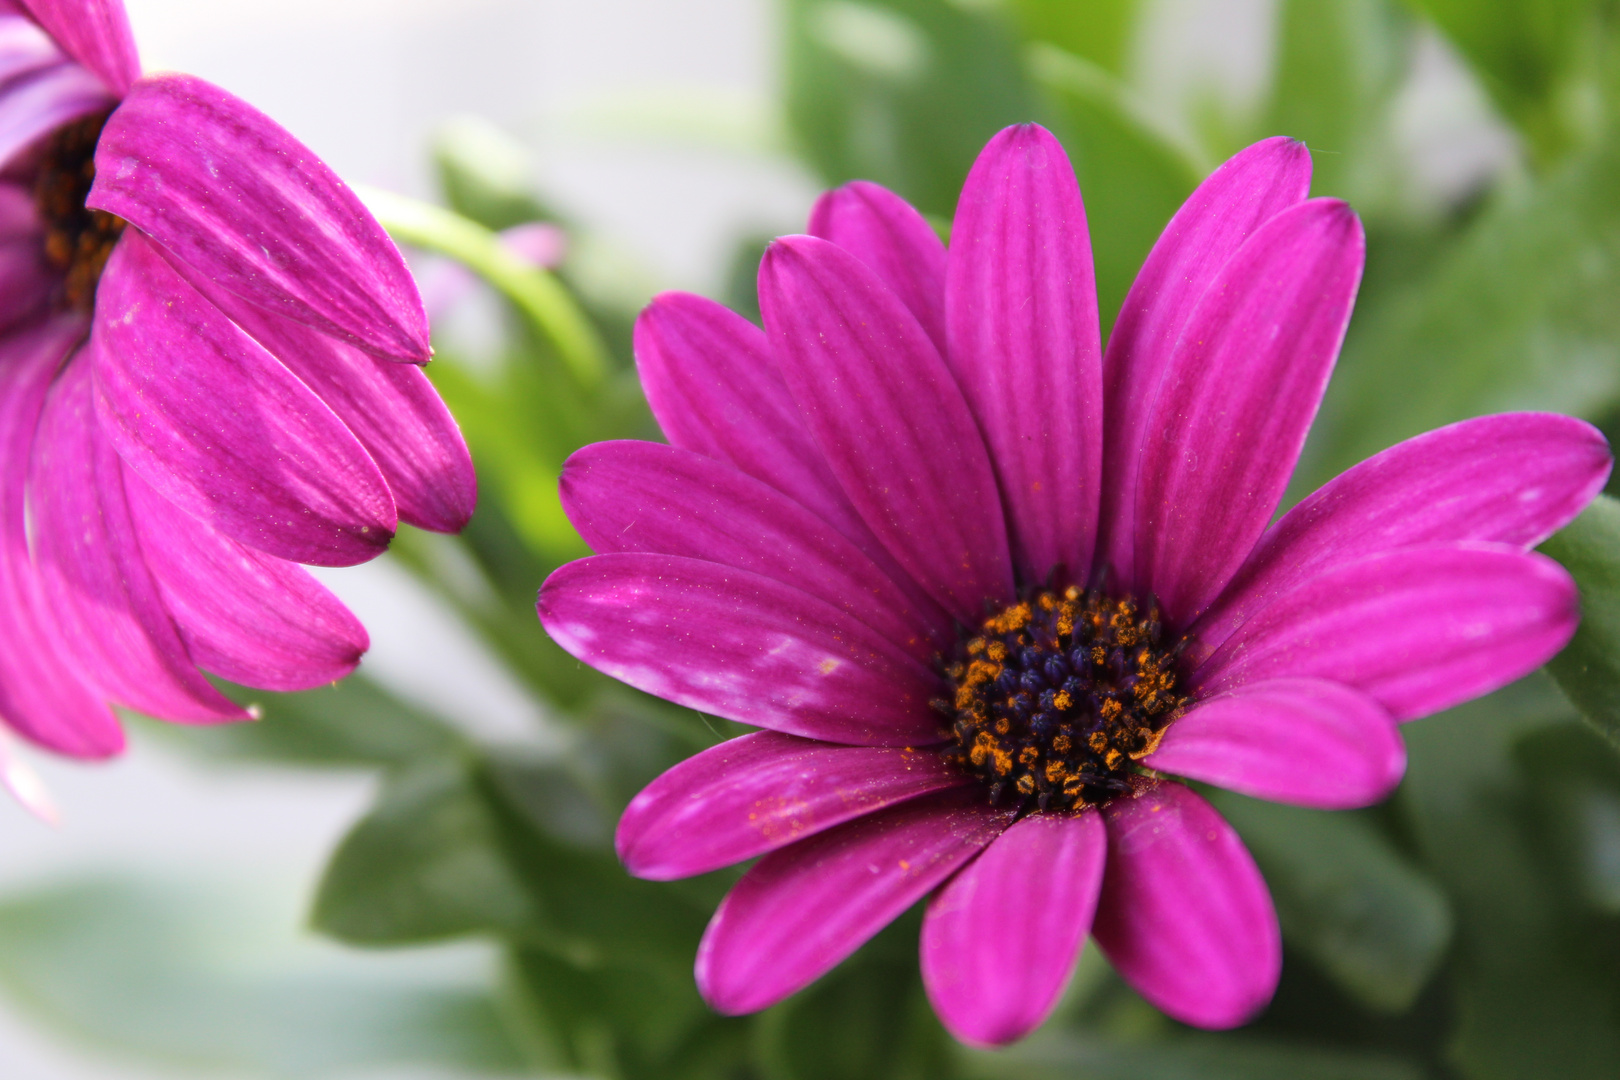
(1059, 695)
(78, 240)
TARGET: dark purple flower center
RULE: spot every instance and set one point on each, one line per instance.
(1059, 696)
(78, 240)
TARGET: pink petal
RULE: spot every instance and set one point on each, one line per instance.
(753, 794)
(37, 104)
(1300, 741)
(886, 233)
(245, 616)
(889, 419)
(94, 571)
(24, 783)
(1419, 630)
(26, 282)
(805, 907)
(232, 195)
(95, 33)
(42, 694)
(25, 48)
(1249, 189)
(1184, 915)
(1001, 938)
(1515, 479)
(218, 427)
(1237, 399)
(714, 388)
(393, 409)
(1021, 310)
(638, 496)
(741, 646)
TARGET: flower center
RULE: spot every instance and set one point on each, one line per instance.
(78, 240)
(1059, 695)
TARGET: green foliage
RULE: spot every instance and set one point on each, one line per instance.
(1098, 31)
(187, 973)
(1346, 898)
(1589, 669)
(903, 92)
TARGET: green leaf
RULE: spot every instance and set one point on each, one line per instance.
(1576, 791)
(1535, 995)
(1588, 670)
(1195, 1057)
(866, 1020)
(486, 175)
(1098, 31)
(1519, 313)
(1524, 51)
(1133, 178)
(1339, 64)
(1346, 898)
(353, 722)
(425, 863)
(902, 92)
(202, 976)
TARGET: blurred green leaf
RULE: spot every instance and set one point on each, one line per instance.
(1097, 30)
(1339, 63)
(866, 1020)
(1576, 781)
(1346, 898)
(623, 1021)
(204, 977)
(1519, 313)
(1535, 996)
(1588, 669)
(353, 722)
(902, 92)
(1132, 177)
(1184, 1057)
(425, 863)
(486, 175)
(1523, 51)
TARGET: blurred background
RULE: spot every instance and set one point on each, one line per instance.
(408, 876)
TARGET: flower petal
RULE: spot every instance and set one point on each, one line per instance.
(887, 233)
(889, 419)
(42, 694)
(229, 193)
(34, 105)
(24, 47)
(1418, 630)
(25, 280)
(1514, 479)
(25, 784)
(1021, 312)
(741, 646)
(95, 33)
(219, 428)
(761, 791)
(393, 409)
(1184, 915)
(94, 572)
(805, 907)
(1236, 199)
(639, 496)
(1302, 741)
(244, 615)
(1237, 399)
(1000, 940)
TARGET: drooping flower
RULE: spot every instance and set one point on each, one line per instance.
(209, 373)
(988, 589)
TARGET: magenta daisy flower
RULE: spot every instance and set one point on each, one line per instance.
(209, 372)
(989, 589)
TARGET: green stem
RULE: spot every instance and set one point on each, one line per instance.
(537, 293)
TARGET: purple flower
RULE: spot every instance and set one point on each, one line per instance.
(209, 372)
(987, 586)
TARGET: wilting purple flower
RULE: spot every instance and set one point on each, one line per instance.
(209, 373)
(986, 586)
